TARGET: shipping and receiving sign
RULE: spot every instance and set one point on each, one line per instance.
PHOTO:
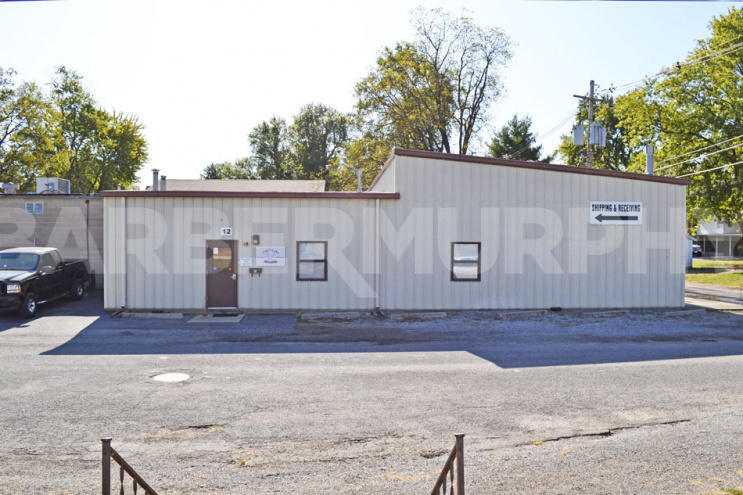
(616, 213)
(270, 256)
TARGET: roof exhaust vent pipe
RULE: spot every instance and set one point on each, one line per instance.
(163, 183)
(155, 180)
(649, 157)
(358, 181)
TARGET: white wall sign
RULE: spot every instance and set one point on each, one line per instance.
(227, 231)
(270, 256)
(246, 261)
(616, 213)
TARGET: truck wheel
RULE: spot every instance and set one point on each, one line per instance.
(77, 290)
(28, 305)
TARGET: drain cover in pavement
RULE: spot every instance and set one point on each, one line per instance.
(171, 377)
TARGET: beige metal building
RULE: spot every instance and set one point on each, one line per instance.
(435, 231)
(73, 223)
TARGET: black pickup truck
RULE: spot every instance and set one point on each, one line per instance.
(33, 276)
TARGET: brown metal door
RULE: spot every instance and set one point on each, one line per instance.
(221, 274)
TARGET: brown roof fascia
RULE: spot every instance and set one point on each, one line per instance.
(433, 155)
(248, 194)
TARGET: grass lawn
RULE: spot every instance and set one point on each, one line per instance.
(728, 279)
(731, 264)
(729, 273)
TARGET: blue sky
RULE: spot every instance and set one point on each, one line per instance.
(201, 74)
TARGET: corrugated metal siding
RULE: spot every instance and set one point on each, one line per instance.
(386, 182)
(574, 264)
(538, 249)
(165, 244)
(112, 247)
(67, 223)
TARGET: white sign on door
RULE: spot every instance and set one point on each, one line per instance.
(616, 213)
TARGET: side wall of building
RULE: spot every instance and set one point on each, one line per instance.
(386, 181)
(538, 248)
(156, 251)
(66, 222)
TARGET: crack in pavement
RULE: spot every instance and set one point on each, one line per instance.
(610, 432)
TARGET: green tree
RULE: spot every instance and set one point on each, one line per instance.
(516, 141)
(615, 155)
(25, 131)
(365, 154)
(66, 135)
(469, 58)
(317, 136)
(696, 104)
(94, 149)
(241, 169)
(306, 149)
(405, 102)
(119, 154)
(434, 93)
(271, 157)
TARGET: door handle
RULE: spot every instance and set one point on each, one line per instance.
(234, 276)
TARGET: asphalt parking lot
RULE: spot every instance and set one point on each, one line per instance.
(568, 402)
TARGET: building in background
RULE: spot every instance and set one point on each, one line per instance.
(72, 223)
(719, 239)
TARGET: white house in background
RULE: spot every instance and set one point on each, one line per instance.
(435, 231)
(718, 239)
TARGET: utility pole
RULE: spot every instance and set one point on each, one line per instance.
(589, 146)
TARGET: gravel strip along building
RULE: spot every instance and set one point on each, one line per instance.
(435, 231)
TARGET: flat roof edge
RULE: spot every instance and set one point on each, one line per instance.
(250, 194)
(434, 155)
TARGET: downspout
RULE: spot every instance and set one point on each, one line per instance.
(87, 239)
(124, 274)
(87, 229)
(377, 288)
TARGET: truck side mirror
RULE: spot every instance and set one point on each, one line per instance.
(46, 270)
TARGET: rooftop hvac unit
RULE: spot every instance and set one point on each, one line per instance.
(52, 185)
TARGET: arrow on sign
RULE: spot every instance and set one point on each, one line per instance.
(601, 217)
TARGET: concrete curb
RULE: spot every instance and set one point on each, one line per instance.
(345, 315)
(685, 312)
(715, 304)
(153, 316)
(417, 316)
(216, 319)
(520, 314)
(603, 314)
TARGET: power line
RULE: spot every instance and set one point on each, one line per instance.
(709, 170)
(694, 151)
(711, 56)
(705, 58)
(544, 136)
(699, 157)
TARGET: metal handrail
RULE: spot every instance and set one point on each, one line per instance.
(457, 454)
(109, 453)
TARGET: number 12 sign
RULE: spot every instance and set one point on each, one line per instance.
(226, 231)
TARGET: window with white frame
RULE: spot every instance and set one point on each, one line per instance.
(34, 208)
(465, 261)
(312, 260)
